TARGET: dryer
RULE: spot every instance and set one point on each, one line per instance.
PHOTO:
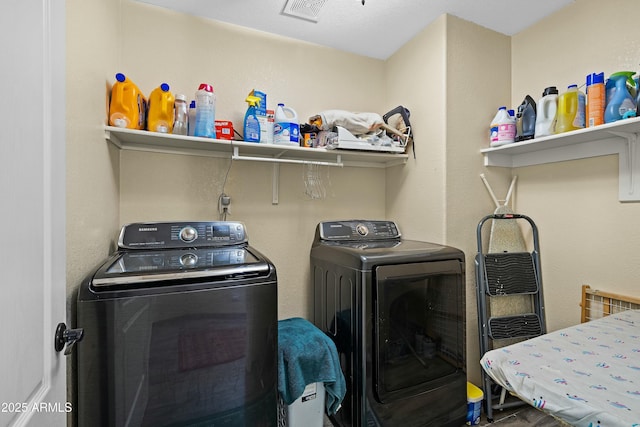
(395, 309)
(180, 328)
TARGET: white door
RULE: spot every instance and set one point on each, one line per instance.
(32, 212)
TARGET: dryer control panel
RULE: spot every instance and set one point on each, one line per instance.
(358, 230)
(165, 235)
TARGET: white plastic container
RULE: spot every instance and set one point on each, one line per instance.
(205, 112)
(475, 396)
(546, 112)
(308, 409)
(286, 129)
(503, 128)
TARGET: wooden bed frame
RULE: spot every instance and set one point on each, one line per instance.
(596, 304)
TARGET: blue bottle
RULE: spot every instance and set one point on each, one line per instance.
(620, 104)
(251, 131)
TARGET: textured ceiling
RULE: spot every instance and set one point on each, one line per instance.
(376, 29)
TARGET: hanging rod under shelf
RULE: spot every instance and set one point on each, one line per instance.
(237, 156)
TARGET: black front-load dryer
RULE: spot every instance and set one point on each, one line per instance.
(395, 309)
(180, 329)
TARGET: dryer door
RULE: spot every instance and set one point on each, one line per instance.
(419, 327)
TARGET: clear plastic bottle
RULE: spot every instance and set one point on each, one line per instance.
(205, 111)
(181, 117)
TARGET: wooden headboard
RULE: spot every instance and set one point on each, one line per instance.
(596, 304)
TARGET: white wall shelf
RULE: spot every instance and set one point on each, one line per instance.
(139, 140)
(619, 138)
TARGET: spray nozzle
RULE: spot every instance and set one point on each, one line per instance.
(253, 101)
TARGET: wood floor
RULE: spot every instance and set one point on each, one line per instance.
(521, 416)
(524, 416)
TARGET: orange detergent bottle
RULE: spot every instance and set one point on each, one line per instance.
(160, 115)
(128, 105)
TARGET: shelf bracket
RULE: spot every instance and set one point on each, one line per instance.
(629, 165)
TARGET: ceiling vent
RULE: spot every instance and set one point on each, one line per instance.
(304, 9)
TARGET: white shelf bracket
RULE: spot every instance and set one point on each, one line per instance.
(629, 163)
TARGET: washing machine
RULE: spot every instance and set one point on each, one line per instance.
(180, 329)
(395, 309)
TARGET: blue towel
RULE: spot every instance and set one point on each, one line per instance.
(306, 356)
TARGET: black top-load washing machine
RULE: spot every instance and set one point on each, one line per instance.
(395, 309)
(180, 329)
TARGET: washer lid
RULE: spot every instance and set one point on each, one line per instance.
(132, 268)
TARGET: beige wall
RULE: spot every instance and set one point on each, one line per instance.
(451, 76)
(586, 234)
(93, 167)
(478, 77)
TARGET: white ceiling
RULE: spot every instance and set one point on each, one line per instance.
(376, 29)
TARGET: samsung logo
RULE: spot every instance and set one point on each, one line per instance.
(148, 229)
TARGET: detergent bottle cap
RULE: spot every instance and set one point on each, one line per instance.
(192, 104)
(572, 86)
(551, 90)
(502, 108)
(164, 87)
(205, 87)
(181, 97)
(598, 78)
(120, 77)
(253, 101)
(628, 76)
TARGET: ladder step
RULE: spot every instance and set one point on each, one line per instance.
(519, 326)
(510, 273)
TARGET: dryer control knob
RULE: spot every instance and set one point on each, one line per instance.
(189, 260)
(362, 229)
(188, 234)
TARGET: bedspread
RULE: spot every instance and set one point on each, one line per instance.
(587, 375)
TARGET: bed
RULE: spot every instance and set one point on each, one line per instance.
(585, 375)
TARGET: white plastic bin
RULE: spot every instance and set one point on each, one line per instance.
(308, 409)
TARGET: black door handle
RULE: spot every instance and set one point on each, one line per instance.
(68, 337)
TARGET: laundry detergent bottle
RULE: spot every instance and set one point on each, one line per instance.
(286, 129)
(620, 103)
(503, 128)
(160, 116)
(594, 108)
(570, 115)
(547, 108)
(128, 106)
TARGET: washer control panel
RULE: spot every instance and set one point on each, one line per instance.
(182, 234)
(358, 230)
